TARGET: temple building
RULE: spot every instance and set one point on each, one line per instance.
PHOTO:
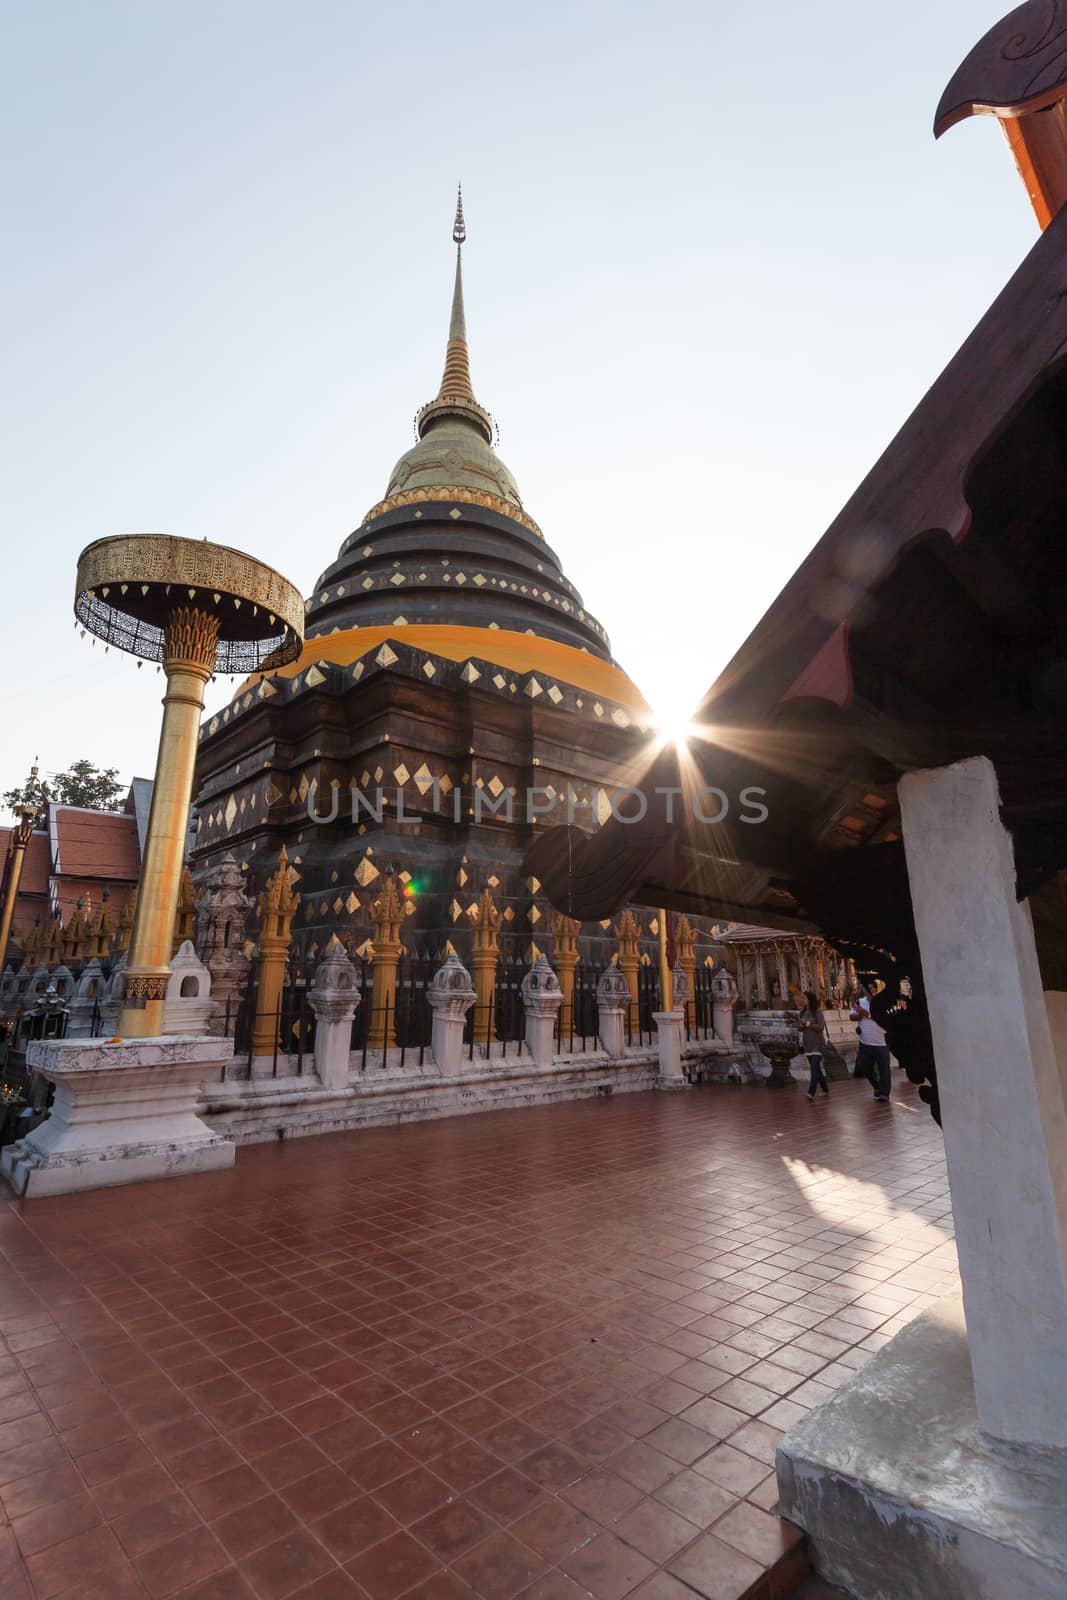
(78, 860)
(451, 674)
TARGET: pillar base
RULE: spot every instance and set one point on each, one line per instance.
(669, 1029)
(904, 1498)
(123, 1113)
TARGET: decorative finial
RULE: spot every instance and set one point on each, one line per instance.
(459, 227)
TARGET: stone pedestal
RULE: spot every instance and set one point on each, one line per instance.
(451, 995)
(541, 998)
(334, 1000)
(781, 1058)
(903, 1496)
(123, 1113)
(670, 1027)
(613, 1000)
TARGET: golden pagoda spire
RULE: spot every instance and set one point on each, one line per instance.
(454, 401)
(456, 379)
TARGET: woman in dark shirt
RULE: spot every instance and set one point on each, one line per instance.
(812, 1042)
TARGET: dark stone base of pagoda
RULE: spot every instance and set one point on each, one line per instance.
(901, 1495)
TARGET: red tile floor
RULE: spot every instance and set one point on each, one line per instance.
(543, 1352)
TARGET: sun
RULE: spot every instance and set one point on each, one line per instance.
(674, 726)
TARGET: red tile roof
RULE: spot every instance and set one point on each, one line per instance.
(94, 844)
(35, 867)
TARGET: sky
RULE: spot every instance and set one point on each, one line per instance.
(715, 257)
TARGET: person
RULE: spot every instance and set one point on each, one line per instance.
(872, 1057)
(813, 1036)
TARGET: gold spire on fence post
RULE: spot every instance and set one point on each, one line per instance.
(565, 931)
(386, 915)
(73, 934)
(52, 946)
(184, 913)
(126, 915)
(102, 931)
(627, 933)
(684, 943)
(20, 838)
(277, 906)
(485, 952)
(32, 946)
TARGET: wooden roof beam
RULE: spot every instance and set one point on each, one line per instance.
(1018, 73)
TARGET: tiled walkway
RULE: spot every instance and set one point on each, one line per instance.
(544, 1352)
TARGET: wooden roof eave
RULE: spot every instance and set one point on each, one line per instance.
(917, 487)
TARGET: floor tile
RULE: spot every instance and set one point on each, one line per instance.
(606, 1568)
(640, 1358)
(289, 1564)
(715, 1570)
(392, 1566)
(500, 1567)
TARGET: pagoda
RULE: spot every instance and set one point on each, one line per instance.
(450, 672)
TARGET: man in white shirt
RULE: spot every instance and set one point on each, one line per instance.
(872, 1058)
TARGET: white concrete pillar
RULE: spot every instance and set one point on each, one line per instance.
(334, 999)
(451, 995)
(669, 1035)
(541, 999)
(612, 1002)
(1003, 1109)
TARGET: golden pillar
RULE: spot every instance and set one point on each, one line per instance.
(20, 838)
(190, 643)
(485, 952)
(386, 915)
(185, 913)
(685, 945)
(565, 931)
(626, 934)
(666, 986)
(196, 608)
(276, 907)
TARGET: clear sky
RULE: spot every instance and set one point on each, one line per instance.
(714, 259)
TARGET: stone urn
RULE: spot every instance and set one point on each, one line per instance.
(775, 1035)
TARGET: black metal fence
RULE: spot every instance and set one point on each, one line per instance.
(495, 1029)
(403, 1022)
(699, 1012)
(578, 1025)
(640, 1028)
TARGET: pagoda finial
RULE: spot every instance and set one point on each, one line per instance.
(455, 400)
(456, 379)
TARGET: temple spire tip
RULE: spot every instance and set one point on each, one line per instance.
(459, 227)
